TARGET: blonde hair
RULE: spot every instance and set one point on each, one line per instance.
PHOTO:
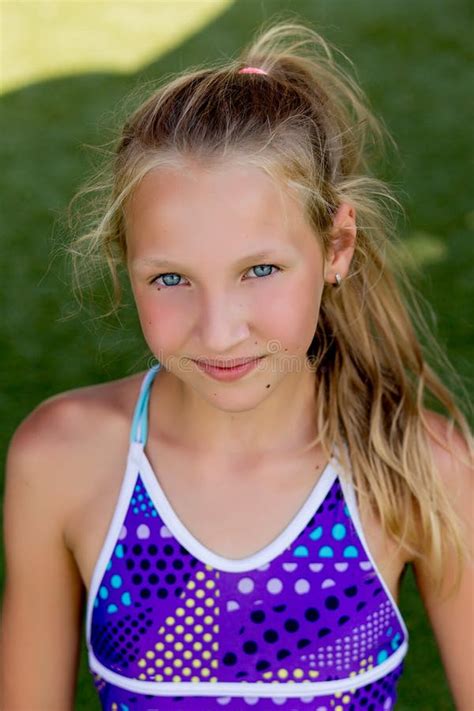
(308, 124)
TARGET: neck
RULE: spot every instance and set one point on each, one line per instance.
(282, 424)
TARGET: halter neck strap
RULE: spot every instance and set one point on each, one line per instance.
(139, 429)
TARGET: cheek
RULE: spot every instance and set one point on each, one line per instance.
(163, 324)
(291, 315)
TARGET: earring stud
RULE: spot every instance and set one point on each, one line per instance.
(338, 279)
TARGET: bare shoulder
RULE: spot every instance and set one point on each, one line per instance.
(65, 417)
(56, 443)
(452, 459)
(452, 456)
(450, 609)
(53, 458)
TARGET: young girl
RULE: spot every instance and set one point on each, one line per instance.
(240, 515)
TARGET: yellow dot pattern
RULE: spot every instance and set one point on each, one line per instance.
(365, 665)
(341, 699)
(187, 645)
(286, 674)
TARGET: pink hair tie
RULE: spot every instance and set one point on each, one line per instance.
(252, 70)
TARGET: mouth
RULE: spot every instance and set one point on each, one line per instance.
(227, 365)
(229, 373)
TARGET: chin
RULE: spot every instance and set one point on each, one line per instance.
(235, 398)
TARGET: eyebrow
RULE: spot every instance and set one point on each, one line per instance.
(165, 263)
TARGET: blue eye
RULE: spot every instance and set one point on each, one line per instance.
(177, 277)
(164, 276)
(265, 266)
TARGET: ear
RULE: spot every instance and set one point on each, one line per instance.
(341, 249)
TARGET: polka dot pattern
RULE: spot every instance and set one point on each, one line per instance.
(162, 615)
(316, 612)
(377, 696)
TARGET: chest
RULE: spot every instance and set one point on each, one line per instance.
(231, 511)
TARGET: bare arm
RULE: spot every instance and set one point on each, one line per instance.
(43, 597)
(452, 617)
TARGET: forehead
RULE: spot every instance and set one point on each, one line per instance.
(229, 196)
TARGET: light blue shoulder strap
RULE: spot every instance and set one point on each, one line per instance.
(139, 430)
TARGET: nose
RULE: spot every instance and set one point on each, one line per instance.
(223, 323)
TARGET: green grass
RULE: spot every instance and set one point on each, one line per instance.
(43, 39)
(412, 61)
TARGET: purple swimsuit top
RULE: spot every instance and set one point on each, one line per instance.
(305, 623)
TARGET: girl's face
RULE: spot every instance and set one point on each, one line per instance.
(223, 266)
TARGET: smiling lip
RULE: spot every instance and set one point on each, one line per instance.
(227, 364)
(229, 373)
